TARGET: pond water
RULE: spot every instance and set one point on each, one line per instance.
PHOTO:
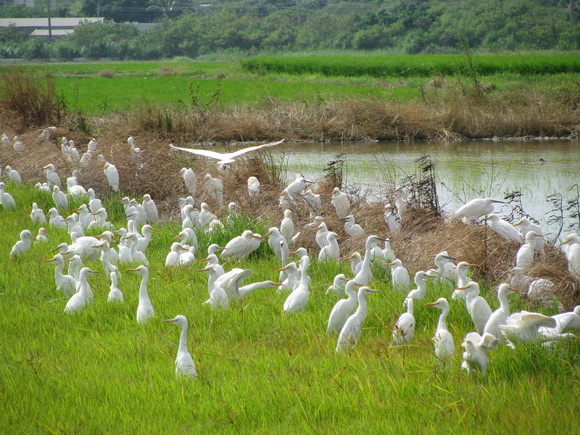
(463, 170)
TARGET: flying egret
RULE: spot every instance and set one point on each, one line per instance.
(476, 347)
(350, 332)
(504, 229)
(442, 340)
(184, 365)
(65, 283)
(469, 213)
(253, 187)
(392, 219)
(190, 180)
(340, 202)
(350, 227)
(114, 294)
(112, 175)
(477, 306)
(297, 300)
(573, 254)
(225, 158)
(399, 275)
(37, 215)
(499, 316)
(343, 308)
(215, 188)
(404, 329)
(145, 308)
(84, 295)
(6, 199)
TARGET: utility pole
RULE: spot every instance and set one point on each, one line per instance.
(49, 23)
(298, 17)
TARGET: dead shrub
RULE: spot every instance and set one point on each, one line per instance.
(107, 73)
(167, 71)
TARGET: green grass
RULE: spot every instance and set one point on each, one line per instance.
(99, 371)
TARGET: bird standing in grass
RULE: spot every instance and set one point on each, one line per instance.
(443, 340)
(404, 329)
(6, 199)
(184, 365)
(343, 308)
(350, 332)
(84, 295)
(476, 347)
(23, 245)
(145, 308)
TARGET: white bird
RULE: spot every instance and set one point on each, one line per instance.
(134, 150)
(298, 299)
(42, 187)
(399, 275)
(462, 278)
(443, 272)
(291, 278)
(350, 227)
(287, 226)
(365, 274)
(100, 221)
(108, 256)
(340, 202)
(343, 308)
(23, 245)
(392, 219)
(74, 225)
(388, 253)
(18, 145)
(13, 175)
(225, 158)
(65, 283)
(184, 365)
(60, 199)
(37, 215)
(573, 254)
(504, 229)
(52, 176)
(215, 188)
(114, 294)
(280, 249)
(337, 286)
(246, 289)
(190, 180)
(313, 202)
(150, 209)
(253, 187)
(421, 290)
(321, 235)
(84, 295)
(404, 329)
(356, 262)
(218, 298)
(83, 247)
(499, 316)
(443, 340)
(526, 226)
(296, 187)
(350, 332)
(143, 242)
(136, 255)
(469, 213)
(94, 203)
(173, 259)
(187, 237)
(6, 199)
(476, 347)
(240, 247)
(477, 306)
(331, 250)
(112, 175)
(145, 308)
(522, 327)
(525, 255)
(187, 258)
(55, 220)
(564, 321)
(41, 236)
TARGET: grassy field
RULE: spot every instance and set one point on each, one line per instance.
(259, 371)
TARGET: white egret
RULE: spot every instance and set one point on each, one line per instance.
(150, 209)
(18, 145)
(6, 199)
(404, 329)
(476, 347)
(313, 202)
(108, 256)
(84, 295)
(421, 290)
(350, 332)
(350, 227)
(42, 187)
(504, 229)
(41, 236)
(343, 308)
(114, 294)
(143, 241)
(522, 327)
(443, 271)
(469, 213)
(337, 286)
(145, 308)
(23, 245)
(13, 175)
(331, 250)
(477, 306)
(83, 247)
(287, 226)
(340, 202)
(74, 225)
(443, 340)
(75, 264)
(462, 278)
(356, 262)
(134, 150)
(365, 274)
(214, 188)
(392, 219)
(112, 175)
(292, 277)
(564, 321)
(65, 283)
(173, 259)
(280, 249)
(240, 246)
(246, 289)
(136, 255)
(298, 299)
(218, 298)
(94, 203)
(184, 365)
(499, 316)
(296, 187)
(525, 255)
(37, 215)
(73, 188)
(573, 254)
(60, 199)
(100, 221)
(190, 180)
(388, 253)
(526, 226)
(225, 158)
(190, 217)
(253, 187)
(321, 235)
(187, 258)
(399, 276)
(52, 176)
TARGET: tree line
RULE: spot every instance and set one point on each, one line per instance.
(251, 28)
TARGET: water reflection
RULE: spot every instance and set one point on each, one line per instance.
(464, 170)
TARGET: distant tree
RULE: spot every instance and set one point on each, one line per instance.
(120, 11)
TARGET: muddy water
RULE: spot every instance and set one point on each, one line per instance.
(463, 170)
